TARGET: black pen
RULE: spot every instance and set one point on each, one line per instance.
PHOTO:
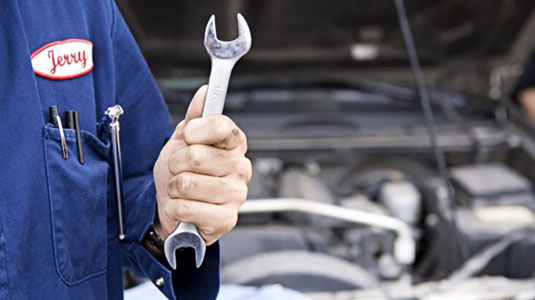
(52, 114)
(78, 137)
(72, 121)
(69, 119)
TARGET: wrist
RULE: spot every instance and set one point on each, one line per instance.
(162, 223)
(158, 226)
(154, 244)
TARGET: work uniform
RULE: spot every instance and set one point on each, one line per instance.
(58, 217)
(527, 78)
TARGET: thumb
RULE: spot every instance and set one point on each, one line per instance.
(196, 104)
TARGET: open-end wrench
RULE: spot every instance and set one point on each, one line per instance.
(224, 54)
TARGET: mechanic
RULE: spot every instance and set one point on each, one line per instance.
(524, 92)
(58, 217)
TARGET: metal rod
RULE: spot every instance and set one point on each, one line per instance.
(113, 113)
(404, 245)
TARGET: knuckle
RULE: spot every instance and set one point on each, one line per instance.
(183, 209)
(244, 138)
(179, 129)
(245, 168)
(243, 141)
(242, 194)
(171, 188)
(177, 210)
(248, 169)
(208, 231)
(173, 163)
(222, 126)
(180, 126)
(230, 223)
(182, 185)
(169, 211)
(195, 155)
(239, 192)
(240, 135)
(244, 144)
(223, 185)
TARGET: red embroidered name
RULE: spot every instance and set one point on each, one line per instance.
(63, 59)
(67, 59)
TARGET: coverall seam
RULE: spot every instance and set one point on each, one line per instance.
(4, 260)
(112, 29)
(48, 189)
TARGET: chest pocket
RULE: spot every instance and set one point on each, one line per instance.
(77, 195)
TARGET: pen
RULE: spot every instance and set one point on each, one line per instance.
(69, 119)
(76, 120)
(52, 114)
(72, 121)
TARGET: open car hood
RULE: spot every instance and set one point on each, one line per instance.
(337, 34)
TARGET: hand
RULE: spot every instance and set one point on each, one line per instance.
(201, 174)
(526, 98)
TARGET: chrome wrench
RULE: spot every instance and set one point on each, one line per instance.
(223, 54)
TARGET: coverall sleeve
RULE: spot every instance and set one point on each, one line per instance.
(527, 79)
(145, 127)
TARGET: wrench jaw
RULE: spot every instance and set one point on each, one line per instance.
(230, 50)
(244, 34)
(181, 241)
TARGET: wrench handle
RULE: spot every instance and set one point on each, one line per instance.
(213, 105)
(217, 86)
(186, 234)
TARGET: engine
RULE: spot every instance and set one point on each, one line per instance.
(322, 225)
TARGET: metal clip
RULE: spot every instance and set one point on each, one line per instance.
(62, 136)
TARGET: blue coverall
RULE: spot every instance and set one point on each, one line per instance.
(58, 218)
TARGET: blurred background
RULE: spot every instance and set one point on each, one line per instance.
(359, 192)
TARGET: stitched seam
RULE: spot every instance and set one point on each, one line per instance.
(89, 138)
(3, 249)
(112, 29)
(51, 210)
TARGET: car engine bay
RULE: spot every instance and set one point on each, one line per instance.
(363, 207)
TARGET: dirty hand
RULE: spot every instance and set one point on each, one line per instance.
(201, 174)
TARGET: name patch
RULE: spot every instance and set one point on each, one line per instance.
(63, 59)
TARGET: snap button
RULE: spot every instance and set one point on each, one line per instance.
(159, 281)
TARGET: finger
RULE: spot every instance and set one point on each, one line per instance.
(209, 160)
(211, 220)
(219, 131)
(196, 104)
(210, 189)
(178, 135)
(194, 111)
